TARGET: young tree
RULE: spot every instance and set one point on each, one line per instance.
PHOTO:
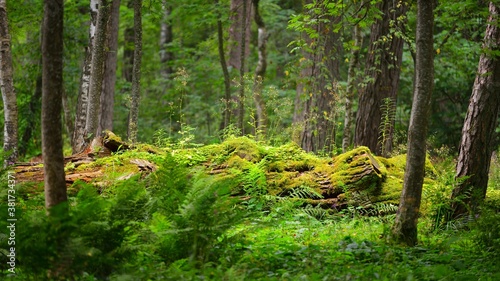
(405, 226)
(108, 86)
(78, 141)
(136, 74)
(478, 132)
(52, 89)
(260, 71)
(166, 37)
(97, 73)
(319, 74)
(351, 89)
(222, 59)
(383, 66)
(7, 87)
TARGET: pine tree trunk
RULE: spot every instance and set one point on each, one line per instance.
(78, 140)
(166, 37)
(97, 73)
(477, 144)
(351, 88)
(383, 67)
(108, 87)
(136, 74)
(405, 226)
(260, 71)
(7, 88)
(52, 90)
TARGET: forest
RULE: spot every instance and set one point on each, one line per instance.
(250, 140)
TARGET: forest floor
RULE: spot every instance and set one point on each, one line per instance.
(242, 210)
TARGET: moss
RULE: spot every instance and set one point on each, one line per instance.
(492, 200)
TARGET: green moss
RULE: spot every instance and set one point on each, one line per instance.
(492, 200)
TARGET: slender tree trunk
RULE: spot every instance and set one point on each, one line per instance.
(260, 71)
(34, 109)
(351, 88)
(7, 87)
(136, 75)
(97, 77)
(243, 44)
(52, 90)
(128, 50)
(166, 37)
(222, 60)
(68, 120)
(477, 144)
(78, 140)
(108, 87)
(405, 226)
(383, 67)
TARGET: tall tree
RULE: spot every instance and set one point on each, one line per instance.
(108, 86)
(136, 74)
(52, 90)
(7, 87)
(166, 37)
(78, 140)
(383, 67)
(319, 74)
(351, 89)
(405, 226)
(478, 132)
(222, 59)
(97, 73)
(260, 71)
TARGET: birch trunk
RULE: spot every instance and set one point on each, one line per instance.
(7, 87)
(96, 79)
(78, 139)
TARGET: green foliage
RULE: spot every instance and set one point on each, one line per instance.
(388, 110)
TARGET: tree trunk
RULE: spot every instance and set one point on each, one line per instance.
(108, 88)
(34, 109)
(318, 78)
(351, 88)
(405, 226)
(239, 32)
(383, 67)
(478, 132)
(52, 90)
(68, 120)
(136, 74)
(227, 79)
(78, 139)
(260, 71)
(166, 37)
(128, 49)
(7, 88)
(96, 79)
(243, 47)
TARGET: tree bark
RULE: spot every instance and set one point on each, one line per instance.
(260, 71)
(97, 73)
(52, 90)
(109, 82)
(405, 226)
(78, 140)
(351, 88)
(477, 144)
(383, 67)
(136, 74)
(222, 60)
(318, 78)
(243, 48)
(10, 134)
(166, 37)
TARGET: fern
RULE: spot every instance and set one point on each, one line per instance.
(304, 192)
(388, 110)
